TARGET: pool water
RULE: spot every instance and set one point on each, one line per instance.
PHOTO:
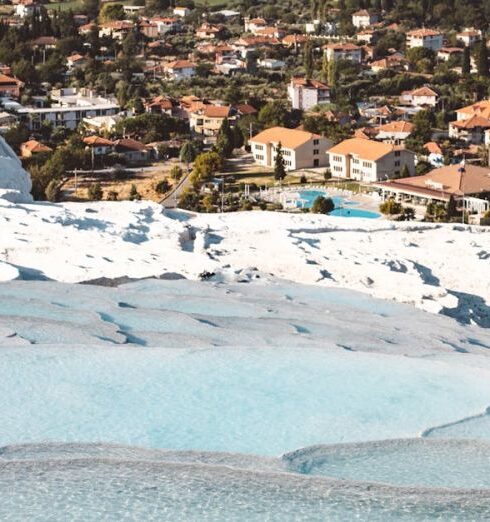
(343, 208)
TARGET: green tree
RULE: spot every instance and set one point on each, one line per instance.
(225, 139)
(207, 164)
(322, 205)
(188, 153)
(279, 163)
(110, 12)
(91, 7)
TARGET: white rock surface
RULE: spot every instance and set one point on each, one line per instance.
(15, 182)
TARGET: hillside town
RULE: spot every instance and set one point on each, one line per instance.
(383, 105)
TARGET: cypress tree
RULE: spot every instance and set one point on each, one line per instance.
(466, 66)
(279, 164)
(482, 59)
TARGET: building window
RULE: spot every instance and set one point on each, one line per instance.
(316, 142)
(316, 152)
(259, 147)
(397, 163)
(397, 153)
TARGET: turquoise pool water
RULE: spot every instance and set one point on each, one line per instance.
(343, 208)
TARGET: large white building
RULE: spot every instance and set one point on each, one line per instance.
(369, 161)
(305, 94)
(69, 107)
(428, 38)
(300, 149)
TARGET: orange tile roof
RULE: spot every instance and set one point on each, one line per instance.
(423, 32)
(366, 149)
(34, 146)
(481, 108)
(433, 148)
(289, 138)
(452, 179)
(424, 91)
(216, 111)
(180, 64)
(97, 141)
(305, 82)
(5, 80)
(472, 123)
(397, 126)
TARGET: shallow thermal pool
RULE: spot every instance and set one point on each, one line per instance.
(246, 401)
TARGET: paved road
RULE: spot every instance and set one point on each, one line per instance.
(171, 200)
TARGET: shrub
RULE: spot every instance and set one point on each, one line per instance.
(322, 205)
(176, 172)
(162, 186)
(134, 195)
(95, 192)
(53, 191)
(390, 207)
(112, 195)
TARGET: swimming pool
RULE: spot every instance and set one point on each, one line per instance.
(343, 207)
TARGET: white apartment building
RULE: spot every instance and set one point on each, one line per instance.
(305, 94)
(69, 107)
(300, 149)
(369, 161)
(428, 38)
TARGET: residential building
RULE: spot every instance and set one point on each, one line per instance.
(367, 36)
(68, 109)
(254, 24)
(305, 94)
(10, 86)
(133, 150)
(207, 120)
(209, 31)
(395, 62)
(422, 97)
(369, 161)
(469, 37)
(428, 38)
(101, 124)
(344, 51)
(26, 8)
(182, 11)
(471, 130)
(300, 149)
(32, 147)
(434, 154)
(99, 146)
(180, 69)
(468, 184)
(364, 18)
(159, 105)
(167, 24)
(445, 53)
(117, 29)
(271, 64)
(76, 60)
(394, 132)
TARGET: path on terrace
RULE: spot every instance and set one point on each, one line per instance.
(171, 200)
